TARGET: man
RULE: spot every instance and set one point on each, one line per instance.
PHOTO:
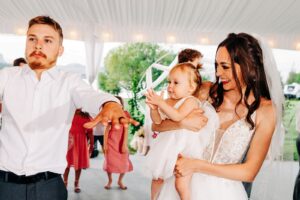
(19, 62)
(39, 102)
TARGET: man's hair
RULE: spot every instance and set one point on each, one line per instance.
(18, 61)
(47, 21)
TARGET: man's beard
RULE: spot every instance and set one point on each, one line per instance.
(38, 64)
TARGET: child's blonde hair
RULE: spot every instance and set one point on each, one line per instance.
(193, 74)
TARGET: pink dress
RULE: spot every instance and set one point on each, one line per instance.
(78, 153)
(116, 161)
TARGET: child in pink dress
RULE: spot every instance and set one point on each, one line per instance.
(116, 153)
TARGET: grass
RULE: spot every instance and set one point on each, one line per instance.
(289, 121)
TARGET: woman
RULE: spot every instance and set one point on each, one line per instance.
(247, 116)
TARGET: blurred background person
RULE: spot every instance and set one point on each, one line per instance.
(78, 150)
(98, 137)
(19, 62)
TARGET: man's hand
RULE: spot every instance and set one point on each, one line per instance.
(194, 121)
(113, 113)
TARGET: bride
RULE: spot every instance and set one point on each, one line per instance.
(248, 103)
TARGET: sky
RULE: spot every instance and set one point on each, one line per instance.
(12, 46)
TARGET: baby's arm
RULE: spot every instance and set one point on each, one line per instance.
(179, 114)
(155, 116)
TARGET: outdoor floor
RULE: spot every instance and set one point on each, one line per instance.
(93, 180)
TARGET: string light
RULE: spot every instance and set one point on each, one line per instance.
(171, 39)
(73, 34)
(139, 37)
(298, 46)
(271, 43)
(204, 40)
(21, 31)
(106, 36)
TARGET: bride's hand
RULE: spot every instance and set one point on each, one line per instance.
(194, 121)
(184, 166)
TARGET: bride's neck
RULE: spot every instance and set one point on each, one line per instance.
(233, 97)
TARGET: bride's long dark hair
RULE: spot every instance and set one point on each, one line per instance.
(244, 50)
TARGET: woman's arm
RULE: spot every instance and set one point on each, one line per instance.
(243, 172)
(173, 113)
(155, 116)
(194, 121)
(182, 112)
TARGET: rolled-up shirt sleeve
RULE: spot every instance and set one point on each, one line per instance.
(87, 98)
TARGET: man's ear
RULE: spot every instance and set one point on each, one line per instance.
(60, 50)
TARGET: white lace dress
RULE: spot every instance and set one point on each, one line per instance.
(226, 147)
(164, 150)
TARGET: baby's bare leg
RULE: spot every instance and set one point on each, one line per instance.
(156, 187)
(182, 185)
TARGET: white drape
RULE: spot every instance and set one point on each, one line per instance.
(93, 50)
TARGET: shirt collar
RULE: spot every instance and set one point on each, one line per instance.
(52, 72)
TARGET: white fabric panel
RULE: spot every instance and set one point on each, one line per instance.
(93, 51)
(188, 21)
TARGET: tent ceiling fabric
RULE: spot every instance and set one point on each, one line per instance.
(180, 21)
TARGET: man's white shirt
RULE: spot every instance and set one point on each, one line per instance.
(37, 115)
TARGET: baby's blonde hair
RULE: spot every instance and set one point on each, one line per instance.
(193, 74)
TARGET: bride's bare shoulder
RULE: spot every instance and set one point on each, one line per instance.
(266, 110)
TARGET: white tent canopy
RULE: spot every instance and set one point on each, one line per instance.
(170, 21)
(180, 21)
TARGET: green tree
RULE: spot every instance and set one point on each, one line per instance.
(293, 77)
(124, 68)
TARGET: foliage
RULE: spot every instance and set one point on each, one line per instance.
(108, 84)
(290, 152)
(125, 67)
(293, 77)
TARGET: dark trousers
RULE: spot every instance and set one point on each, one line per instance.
(248, 188)
(98, 138)
(296, 195)
(95, 150)
(43, 189)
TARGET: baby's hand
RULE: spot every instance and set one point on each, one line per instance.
(152, 107)
(153, 98)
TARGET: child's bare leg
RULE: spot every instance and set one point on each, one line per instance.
(156, 187)
(182, 185)
(108, 185)
(66, 175)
